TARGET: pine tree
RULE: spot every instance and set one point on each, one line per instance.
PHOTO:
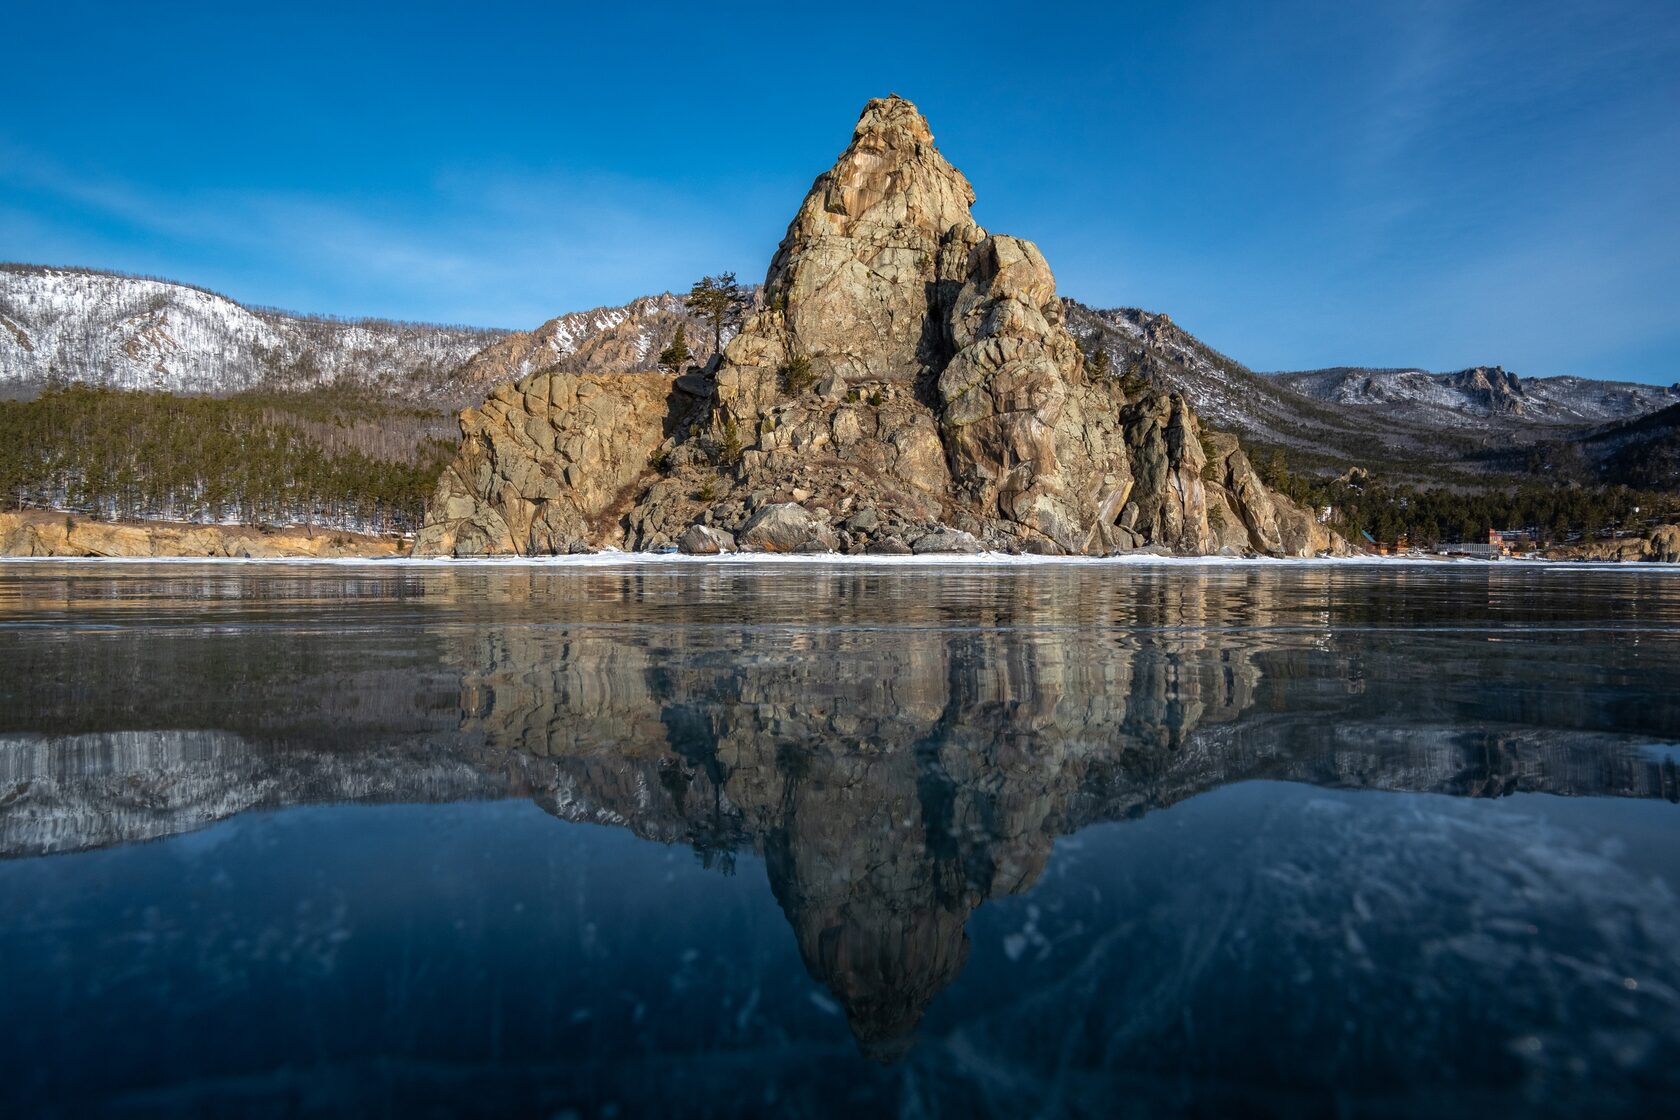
(718, 300)
(675, 356)
(1101, 364)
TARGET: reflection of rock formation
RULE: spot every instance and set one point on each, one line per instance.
(895, 771)
(888, 808)
(892, 780)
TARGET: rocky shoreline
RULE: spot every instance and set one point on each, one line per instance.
(1660, 546)
(43, 534)
(776, 528)
(46, 533)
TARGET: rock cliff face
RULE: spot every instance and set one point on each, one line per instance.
(909, 385)
(37, 533)
(1660, 546)
(550, 462)
(1665, 544)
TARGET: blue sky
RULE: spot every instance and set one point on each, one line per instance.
(1300, 184)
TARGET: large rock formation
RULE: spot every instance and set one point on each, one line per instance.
(1665, 544)
(909, 379)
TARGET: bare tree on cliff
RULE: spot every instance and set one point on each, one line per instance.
(718, 300)
(675, 356)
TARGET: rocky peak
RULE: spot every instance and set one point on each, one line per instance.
(891, 177)
(1493, 377)
(1494, 387)
(863, 260)
(909, 384)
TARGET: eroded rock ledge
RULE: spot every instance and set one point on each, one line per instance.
(909, 386)
(44, 533)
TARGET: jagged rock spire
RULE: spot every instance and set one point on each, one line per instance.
(860, 267)
(885, 276)
(909, 385)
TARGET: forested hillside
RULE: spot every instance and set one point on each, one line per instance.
(1388, 511)
(334, 457)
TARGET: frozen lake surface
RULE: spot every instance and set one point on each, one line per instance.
(813, 838)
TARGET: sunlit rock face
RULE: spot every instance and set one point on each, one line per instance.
(546, 461)
(909, 384)
(43, 533)
(882, 236)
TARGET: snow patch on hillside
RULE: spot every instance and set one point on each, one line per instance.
(1467, 397)
(133, 333)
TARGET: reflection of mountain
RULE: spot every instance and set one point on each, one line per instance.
(894, 772)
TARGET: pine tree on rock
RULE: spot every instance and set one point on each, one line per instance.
(675, 356)
(1101, 364)
(719, 301)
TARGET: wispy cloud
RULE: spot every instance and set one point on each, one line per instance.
(509, 247)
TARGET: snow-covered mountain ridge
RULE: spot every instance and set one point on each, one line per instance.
(1484, 391)
(1426, 427)
(129, 332)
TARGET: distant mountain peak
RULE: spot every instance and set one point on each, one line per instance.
(1469, 396)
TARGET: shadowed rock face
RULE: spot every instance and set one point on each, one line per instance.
(906, 366)
(918, 761)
